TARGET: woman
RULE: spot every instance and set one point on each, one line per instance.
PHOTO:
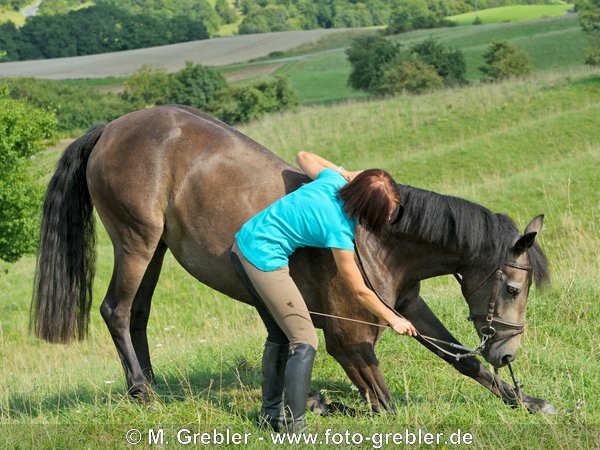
(323, 214)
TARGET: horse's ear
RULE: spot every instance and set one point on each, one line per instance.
(396, 214)
(524, 242)
(535, 225)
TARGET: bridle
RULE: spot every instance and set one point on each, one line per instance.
(490, 318)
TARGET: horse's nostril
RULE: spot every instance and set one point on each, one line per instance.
(507, 359)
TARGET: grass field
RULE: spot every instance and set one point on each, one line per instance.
(522, 148)
(512, 13)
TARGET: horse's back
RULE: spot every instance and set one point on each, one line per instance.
(179, 174)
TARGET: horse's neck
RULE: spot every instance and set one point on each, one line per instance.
(398, 262)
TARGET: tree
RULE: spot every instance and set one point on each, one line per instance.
(195, 85)
(267, 19)
(225, 11)
(407, 13)
(589, 18)
(10, 41)
(368, 56)
(24, 131)
(504, 60)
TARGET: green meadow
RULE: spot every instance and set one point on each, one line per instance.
(512, 13)
(520, 147)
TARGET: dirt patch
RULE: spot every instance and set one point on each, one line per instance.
(114, 88)
(252, 71)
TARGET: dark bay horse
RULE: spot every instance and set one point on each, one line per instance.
(174, 178)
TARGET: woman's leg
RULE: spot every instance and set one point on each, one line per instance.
(275, 355)
(285, 305)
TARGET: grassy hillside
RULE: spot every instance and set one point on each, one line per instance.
(521, 148)
(512, 13)
(550, 44)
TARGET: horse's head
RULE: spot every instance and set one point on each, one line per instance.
(497, 294)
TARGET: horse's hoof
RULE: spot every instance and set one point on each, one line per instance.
(141, 394)
(537, 405)
(319, 405)
(548, 409)
(316, 403)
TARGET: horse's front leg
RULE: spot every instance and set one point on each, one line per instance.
(428, 324)
(357, 358)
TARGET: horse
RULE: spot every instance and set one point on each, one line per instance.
(172, 177)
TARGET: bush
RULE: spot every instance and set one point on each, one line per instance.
(592, 56)
(368, 56)
(147, 86)
(244, 103)
(412, 76)
(76, 107)
(24, 130)
(504, 60)
(589, 18)
(194, 85)
(449, 64)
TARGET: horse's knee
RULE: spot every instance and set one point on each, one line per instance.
(106, 311)
(116, 319)
(467, 366)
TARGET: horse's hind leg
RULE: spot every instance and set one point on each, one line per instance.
(428, 324)
(140, 311)
(131, 263)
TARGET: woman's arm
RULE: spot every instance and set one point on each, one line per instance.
(344, 260)
(312, 164)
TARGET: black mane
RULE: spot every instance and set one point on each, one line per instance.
(472, 230)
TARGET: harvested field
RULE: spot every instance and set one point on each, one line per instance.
(209, 52)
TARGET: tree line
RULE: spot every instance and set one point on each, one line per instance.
(262, 16)
(114, 25)
(98, 29)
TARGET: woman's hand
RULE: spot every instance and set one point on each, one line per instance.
(312, 164)
(344, 260)
(350, 175)
(403, 326)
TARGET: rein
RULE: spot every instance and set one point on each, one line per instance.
(487, 331)
(429, 339)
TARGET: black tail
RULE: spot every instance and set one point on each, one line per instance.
(65, 270)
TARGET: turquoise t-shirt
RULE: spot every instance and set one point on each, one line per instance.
(311, 216)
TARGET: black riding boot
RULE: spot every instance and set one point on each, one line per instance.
(298, 372)
(273, 366)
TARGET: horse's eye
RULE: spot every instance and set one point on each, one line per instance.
(512, 290)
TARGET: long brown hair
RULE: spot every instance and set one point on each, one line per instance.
(371, 198)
